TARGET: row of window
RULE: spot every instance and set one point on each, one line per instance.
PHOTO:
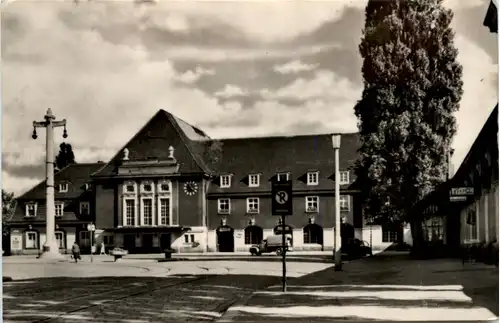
(147, 187)
(63, 187)
(32, 208)
(254, 179)
(32, 239)
(312, 233)
(253, 204)
(147, 212)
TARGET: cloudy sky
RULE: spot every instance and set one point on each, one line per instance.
(232, 68)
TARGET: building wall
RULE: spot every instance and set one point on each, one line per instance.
(486, 210)
(105, 206)
(18, 244)
(239, 219)
(190, 207)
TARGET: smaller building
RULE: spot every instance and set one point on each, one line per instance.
(74, 209)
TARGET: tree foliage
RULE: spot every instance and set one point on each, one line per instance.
(412, 87)
(65, 156)
(8, 208)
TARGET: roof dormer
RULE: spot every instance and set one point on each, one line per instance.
(63, 187)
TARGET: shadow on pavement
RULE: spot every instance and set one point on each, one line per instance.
(122, 299)
(386, 287)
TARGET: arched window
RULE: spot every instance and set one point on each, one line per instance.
(313, 233)
(61, 238)
(31, 239)
(253, 234)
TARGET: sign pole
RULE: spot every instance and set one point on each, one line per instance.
(283, 255)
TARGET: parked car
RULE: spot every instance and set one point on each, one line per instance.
(271, 244)
(118, 253)
(357, 248)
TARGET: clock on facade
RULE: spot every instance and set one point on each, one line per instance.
(190, 188)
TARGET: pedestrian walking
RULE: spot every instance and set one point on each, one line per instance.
(76, 251)
(103, 249)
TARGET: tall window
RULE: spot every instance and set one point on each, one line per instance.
(84, 238)
(225, 181)
(147, 209)
(434, 229)
(253, 205)
(312, 203)
(313, 233)
(224, 206)
(344, 177)
(254, 180)
(282, 177)
(253, 234)
(84, 208)
(31, 240)
(129, 212)
(164, 211)
(312, 178)
(59, 208)
(471, 225)
(60, 239)
(344, 203)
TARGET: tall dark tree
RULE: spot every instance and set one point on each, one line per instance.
(65, 156)
(412, 87)
(8, 207)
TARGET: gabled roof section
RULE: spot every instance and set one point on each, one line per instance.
(491, 18)
(75, 174)
(154, 138)
(488, 136)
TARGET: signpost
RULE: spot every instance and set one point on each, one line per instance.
(282, 206)
(460, 194)
(91, 229)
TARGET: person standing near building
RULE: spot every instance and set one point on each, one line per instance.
(76, 251)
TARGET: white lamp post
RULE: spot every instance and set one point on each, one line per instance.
(337, 239)
(50, 247)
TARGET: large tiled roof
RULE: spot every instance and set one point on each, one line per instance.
(292, 154)
(153, 140)
(76, 175)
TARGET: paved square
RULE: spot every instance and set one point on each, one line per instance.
(135, 291)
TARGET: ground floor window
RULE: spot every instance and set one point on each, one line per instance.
(313, 233)
(471, 225)
(61, 239)
(108, 240)
(253, 234)
(434, 229)
(129, 212)
(31, 239)
(164, 210)
(390, 233)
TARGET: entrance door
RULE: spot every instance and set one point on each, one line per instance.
(225, 239)
(129, 242)
(147, 242)
(165, 241)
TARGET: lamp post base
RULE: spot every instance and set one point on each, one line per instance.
(51, 252)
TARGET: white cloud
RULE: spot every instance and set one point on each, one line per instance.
(293, 67)
(230, 91)
(192, 76)
(324, 85)
(17, 185)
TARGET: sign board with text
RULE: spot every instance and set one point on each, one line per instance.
(282, 198)
(462, 191)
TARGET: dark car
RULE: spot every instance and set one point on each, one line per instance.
(357, 248)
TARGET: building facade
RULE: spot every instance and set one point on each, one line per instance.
(171, 186)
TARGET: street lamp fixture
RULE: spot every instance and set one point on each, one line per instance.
(50, 247)
(336, 138)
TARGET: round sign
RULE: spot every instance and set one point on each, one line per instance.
(90, 227)
(281, 197)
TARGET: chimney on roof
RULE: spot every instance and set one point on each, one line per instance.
(125, 154)
(100, 162)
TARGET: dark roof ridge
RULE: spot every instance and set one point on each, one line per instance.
(285, 136)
